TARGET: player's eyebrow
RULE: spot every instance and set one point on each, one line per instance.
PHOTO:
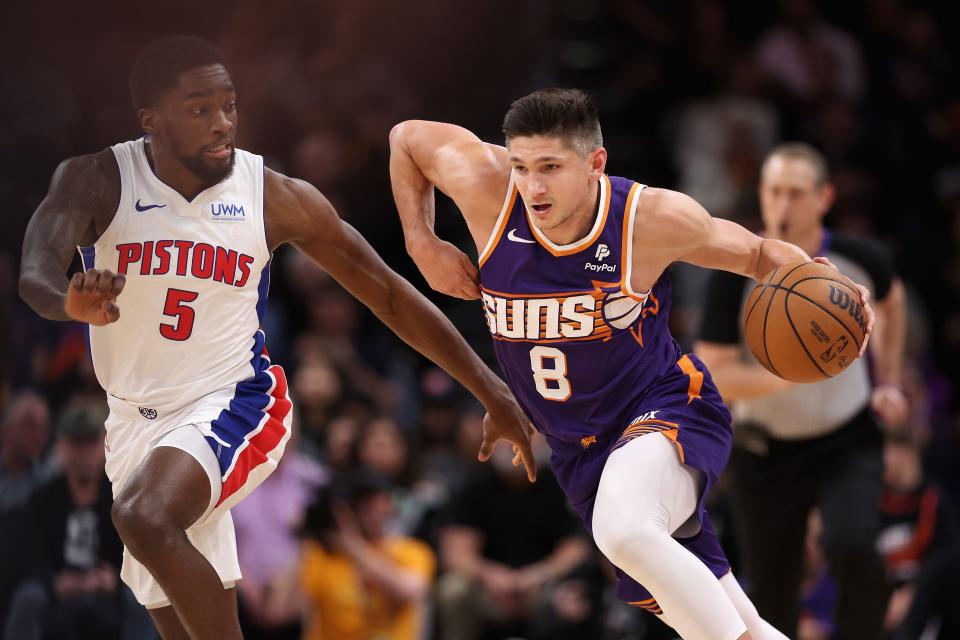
(546, 158)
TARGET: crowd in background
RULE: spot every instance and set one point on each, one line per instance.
(692, 96)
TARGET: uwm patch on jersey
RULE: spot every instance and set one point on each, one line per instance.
(565, 317)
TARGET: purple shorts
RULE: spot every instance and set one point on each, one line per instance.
(684, 407)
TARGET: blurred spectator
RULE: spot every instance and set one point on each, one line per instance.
(339, 442)
(73, 550)
(916, 521)
(24, 434)
(266, 522)
(809, 58)
(360, 581)
(382, 447)
(509, 545)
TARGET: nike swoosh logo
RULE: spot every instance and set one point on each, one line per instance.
(141, 208)
(512, 236)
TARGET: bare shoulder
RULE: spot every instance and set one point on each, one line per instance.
(666, 212)
(293, 209)
(476, 176)
(473, 173)
(88, 183)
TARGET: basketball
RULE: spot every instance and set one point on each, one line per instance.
(804, 322)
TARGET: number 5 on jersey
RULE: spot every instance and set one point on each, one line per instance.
(175, 307)
(551, 380)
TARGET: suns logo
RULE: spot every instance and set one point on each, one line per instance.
(562, 317)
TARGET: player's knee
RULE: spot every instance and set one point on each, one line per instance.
(141, 525)
(625, 543)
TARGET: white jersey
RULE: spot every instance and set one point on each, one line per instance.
(197, 279)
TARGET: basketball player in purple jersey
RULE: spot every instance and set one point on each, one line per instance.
(177, 230)
(572, 283)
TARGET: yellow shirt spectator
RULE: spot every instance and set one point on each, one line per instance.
(346, 606)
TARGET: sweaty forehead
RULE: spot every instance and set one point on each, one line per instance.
(205, 80)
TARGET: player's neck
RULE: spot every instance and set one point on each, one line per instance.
(174, 174)
(580, 222)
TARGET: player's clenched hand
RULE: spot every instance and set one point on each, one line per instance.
(864, 301)
(92, 296)
(447, 269)
(508, 422)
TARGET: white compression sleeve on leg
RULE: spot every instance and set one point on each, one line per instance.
(759, 628)
(646, 494)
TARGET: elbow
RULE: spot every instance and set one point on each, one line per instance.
(26, 289)
(399, 132)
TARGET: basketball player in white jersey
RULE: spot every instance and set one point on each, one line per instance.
(176, 232)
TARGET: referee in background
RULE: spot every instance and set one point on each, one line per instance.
(797, 447)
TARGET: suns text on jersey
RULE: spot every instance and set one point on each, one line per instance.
(573, 316)
(185, 257)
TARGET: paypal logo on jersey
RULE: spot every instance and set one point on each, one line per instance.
(227, 211)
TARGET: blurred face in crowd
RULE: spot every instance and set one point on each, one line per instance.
(557, 183)
(373, 514)
(24, 434)
(82, 458)
(384, 448)
(196, 122)
(793, 200)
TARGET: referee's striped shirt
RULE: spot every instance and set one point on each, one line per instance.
(804, 410)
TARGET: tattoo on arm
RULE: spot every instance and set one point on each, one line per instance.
(84, 194)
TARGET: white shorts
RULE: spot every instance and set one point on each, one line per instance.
(237, 434)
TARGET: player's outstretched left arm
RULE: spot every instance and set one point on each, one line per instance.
(298, 213)
(672, 226)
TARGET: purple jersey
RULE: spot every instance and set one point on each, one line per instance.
(592, 362)
(577, 345)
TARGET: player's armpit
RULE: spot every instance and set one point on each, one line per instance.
(83, 197)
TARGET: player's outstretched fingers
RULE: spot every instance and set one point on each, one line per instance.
(529, 463)
(486, 449)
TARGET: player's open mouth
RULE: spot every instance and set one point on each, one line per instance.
(541, 209)
(222, 150)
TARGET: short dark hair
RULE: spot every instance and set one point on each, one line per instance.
(565, 113)
(158, 67)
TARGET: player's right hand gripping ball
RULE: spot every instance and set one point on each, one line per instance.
(804, 322)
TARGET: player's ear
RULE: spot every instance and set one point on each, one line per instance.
(148, 120)
(598, 161)
(828, 194)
